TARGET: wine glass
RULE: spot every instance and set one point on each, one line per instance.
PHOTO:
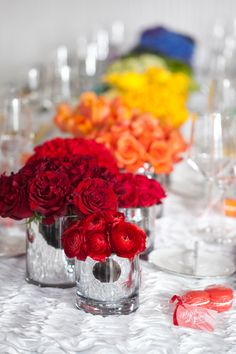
(213, 155)
(16, 144)
(16, 134)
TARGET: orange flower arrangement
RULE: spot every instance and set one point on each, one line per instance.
(135, 138)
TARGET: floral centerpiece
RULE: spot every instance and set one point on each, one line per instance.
(134, 138)
(69, 191)
(107, 267)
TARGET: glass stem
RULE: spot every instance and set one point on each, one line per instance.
(221, 215)
(210, 202)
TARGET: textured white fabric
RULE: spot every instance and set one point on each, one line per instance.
(44, 320)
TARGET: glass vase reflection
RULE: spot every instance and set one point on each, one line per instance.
(46, 262)
(108, 288)
(144, 218)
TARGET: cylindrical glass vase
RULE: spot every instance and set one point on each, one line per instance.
(46, 262)
(108, 288)
(145, 219)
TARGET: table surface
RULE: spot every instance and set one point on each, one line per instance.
(45, 320)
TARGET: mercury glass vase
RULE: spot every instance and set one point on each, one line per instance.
(46, 262)
(108, 288)
(144, 218)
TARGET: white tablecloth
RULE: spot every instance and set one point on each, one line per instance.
(43, 320)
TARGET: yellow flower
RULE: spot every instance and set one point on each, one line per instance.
(157, 90)
(126, 81)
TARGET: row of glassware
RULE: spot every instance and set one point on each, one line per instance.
(72, 71)
(48, 84)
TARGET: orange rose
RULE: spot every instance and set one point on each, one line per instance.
(129, 153)
(62, 116)
(94, 107)
(177, 145)
(106, 139)
(159, 156)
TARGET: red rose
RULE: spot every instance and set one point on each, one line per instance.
(148, 190)
(48, 193)
(73, 242)
(127, 240)
(125, 190)
(93, 195)
(97, 245)
(13, 197)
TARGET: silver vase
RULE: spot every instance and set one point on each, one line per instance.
(145, 219)
(108, 288)
(46, 262)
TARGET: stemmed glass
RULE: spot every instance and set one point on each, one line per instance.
(16, 144)
(16, 134)
(213, 155)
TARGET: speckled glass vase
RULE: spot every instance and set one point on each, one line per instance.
(108, 288)
(144, 218)
(46, 262)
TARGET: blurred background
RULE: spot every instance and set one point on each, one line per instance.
(31, 30)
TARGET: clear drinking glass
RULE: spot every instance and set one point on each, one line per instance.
(16, 134)
(65, 82)
(117, 38)
(16, 144)
(87, 52)
(213, 155)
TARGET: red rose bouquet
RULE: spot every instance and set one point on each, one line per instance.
(67, 177)
(63, 177)
(73, 176)
(99, 235)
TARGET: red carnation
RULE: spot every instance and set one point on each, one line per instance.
(77, 147)
(127, 240)
(93, 195)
